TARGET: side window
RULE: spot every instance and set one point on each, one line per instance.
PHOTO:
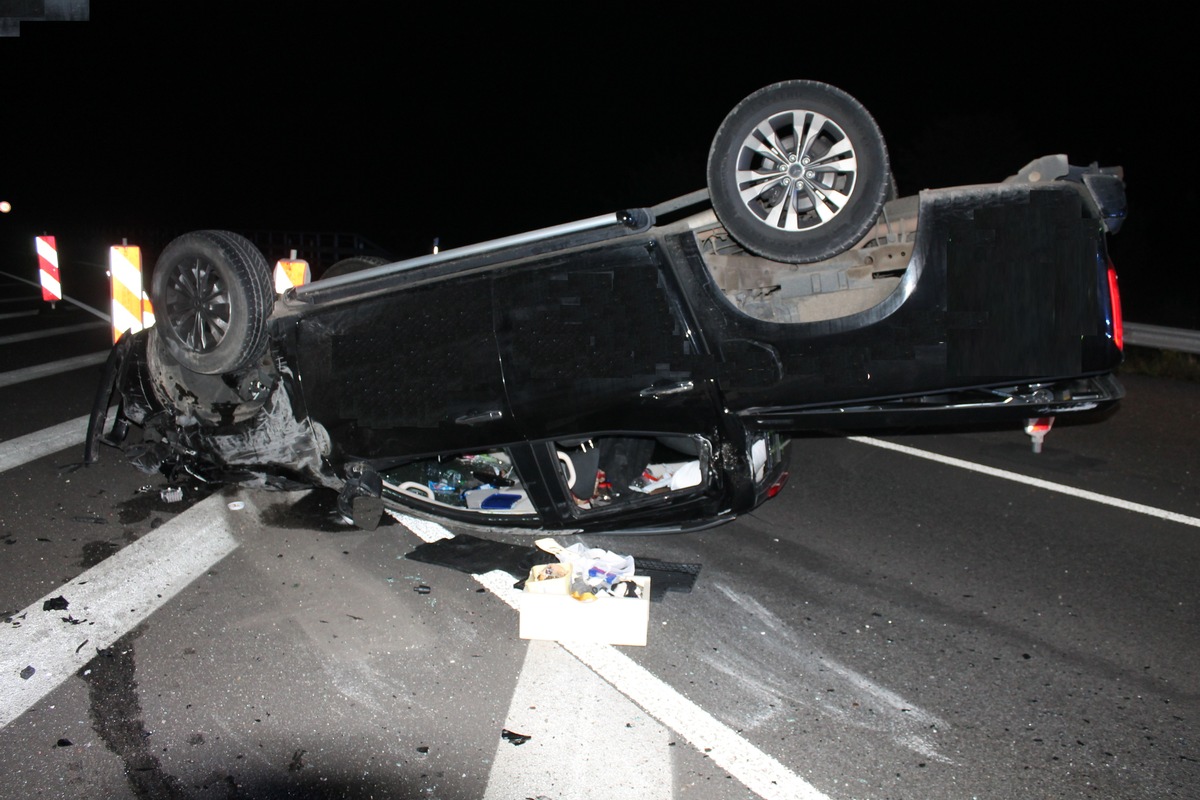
(483, 482)
(610, 471)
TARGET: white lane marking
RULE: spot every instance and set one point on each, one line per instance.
(46, 334)
(626, 749)
(15, 314)
(32, 446)
(94, 312)
(51, 368)
(759, 772)
(1082, 494)
(108, 600)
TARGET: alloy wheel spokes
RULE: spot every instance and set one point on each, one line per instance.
(796, 170)
(198, 305)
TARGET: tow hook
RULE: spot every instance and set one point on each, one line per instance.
(1037, 428)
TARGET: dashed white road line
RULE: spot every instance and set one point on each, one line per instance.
(51, 368)
(32, 446)
(562, 704)
(1082, 494)
(758, 771)
(40, 649)
(29, 336)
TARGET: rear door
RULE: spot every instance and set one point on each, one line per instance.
(599, 341)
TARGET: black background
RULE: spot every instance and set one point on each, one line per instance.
(408, 123)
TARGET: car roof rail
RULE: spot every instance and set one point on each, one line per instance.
(629, 221)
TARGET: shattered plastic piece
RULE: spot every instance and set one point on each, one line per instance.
(423, 749)
(236, 505)
(171, 494)
(59, 603)
(422, 589)
(517, 739)
(27, 673)
(64, 743)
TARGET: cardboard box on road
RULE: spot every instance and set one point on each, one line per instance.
(606, 620)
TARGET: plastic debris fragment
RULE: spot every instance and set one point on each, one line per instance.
(422, 589)
(27, 673)
(59, 603)
(171, 494)
(517, 739)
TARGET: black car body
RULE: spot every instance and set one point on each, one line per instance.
(637, 371)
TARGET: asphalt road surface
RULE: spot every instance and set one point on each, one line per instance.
(896, 624)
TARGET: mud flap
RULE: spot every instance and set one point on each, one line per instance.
(114, 369)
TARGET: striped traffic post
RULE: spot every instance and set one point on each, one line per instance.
(147, 311)
(47, 253)
(291, 272)
(125, 267)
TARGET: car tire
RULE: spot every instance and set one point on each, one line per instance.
(352, 264)
(212, 294)
(798, 172)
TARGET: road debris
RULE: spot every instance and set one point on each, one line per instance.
(517, 739)
(59, 603)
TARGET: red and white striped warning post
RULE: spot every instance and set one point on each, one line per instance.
(291, 272)
(47, 252)
(147, 311)
(125, 267)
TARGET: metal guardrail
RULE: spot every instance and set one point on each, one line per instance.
(1183, 340)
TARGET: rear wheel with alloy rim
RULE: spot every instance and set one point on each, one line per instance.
(798, 172)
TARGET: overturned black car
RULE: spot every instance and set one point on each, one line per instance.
(638, 371)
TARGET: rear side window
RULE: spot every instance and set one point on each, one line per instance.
(614, 471)
(483, 482)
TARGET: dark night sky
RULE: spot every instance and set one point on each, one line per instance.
(405, 125)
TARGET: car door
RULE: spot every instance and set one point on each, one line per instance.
(599, 341)
(410, 371)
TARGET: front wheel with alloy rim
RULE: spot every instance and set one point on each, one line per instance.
(798, 172)
(212, 294)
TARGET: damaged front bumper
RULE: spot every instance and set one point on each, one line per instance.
(247, 428)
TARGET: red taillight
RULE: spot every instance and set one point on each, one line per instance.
(1118, 326)
(777, 486)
